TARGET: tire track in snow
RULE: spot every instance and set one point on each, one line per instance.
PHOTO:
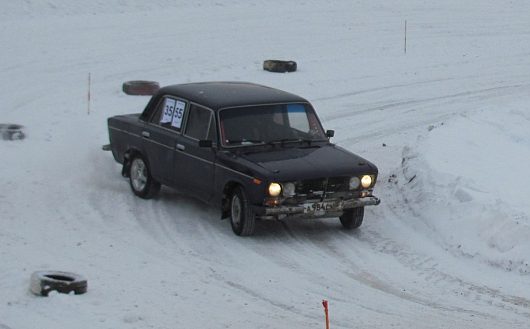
(448, 97)
(163, 226)
(427, 268)
(409, 119)
(370, 90)
(371, 280)
(275, 303)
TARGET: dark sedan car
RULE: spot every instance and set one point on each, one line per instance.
(257, 153)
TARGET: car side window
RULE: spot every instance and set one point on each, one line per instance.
(169, 113)
(200, 122)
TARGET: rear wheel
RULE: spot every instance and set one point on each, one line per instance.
(142, 183)
(242, 217)
(352, 218)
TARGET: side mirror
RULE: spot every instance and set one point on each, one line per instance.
(205, 143)
(330, 133)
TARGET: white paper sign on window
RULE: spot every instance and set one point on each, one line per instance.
(169, 109)
(178, 114)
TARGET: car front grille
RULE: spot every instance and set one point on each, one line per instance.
(321, 185)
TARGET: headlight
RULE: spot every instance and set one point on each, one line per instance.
(288, 190)
(275, 189)
(366, 181)
(354, 183)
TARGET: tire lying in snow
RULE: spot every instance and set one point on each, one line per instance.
(10, 132)
(273, 65)
(42, 282)
(140, 87)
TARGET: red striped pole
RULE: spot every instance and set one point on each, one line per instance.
(325, 304)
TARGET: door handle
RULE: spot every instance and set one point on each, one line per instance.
(181, 147)
(146, 134)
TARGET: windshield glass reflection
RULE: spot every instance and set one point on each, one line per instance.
(268, 124)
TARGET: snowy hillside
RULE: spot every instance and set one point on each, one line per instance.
(447, 123)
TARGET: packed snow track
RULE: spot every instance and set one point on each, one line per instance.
(447, 123)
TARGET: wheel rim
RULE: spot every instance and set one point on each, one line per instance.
(138, 175)
(236, 211)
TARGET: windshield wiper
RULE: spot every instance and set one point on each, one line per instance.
(290, 140)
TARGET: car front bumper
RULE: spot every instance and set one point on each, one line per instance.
(314, 209)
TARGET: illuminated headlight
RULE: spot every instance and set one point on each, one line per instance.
(275, 189)
(288, 189)
(354, 183)
(366, 181)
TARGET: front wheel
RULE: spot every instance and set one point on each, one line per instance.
(242, 217)
(142, 183)
(352, 218)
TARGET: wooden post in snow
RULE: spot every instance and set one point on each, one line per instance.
(405, 48)
(88, 94)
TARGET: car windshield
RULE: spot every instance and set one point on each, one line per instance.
(279, 123)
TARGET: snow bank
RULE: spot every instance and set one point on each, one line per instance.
(465, 181)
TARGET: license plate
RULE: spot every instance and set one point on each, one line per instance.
(318, 208)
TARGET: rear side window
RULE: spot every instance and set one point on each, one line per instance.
(200, 121)
(170, 113)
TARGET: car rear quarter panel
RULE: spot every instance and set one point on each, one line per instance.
(124, 134)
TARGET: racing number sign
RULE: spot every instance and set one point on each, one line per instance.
(173, 112)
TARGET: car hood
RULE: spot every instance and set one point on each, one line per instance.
(294, 163)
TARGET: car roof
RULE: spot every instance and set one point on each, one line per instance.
(218, 95)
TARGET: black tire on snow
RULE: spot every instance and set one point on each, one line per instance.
(12, 132)
(140, 179)
(352, 218)
(140, 87)
(273, 65)
(42, 282)
(242, 217)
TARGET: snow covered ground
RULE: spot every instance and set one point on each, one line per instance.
(447, 123)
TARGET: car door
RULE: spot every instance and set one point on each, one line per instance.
(160, 137)
(195, 165)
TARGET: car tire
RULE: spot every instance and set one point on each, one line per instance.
(352, 218)
(242, 217)
(12, 132)
(43, 282)
(140, 87)
(273, 65)
(140, 179)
